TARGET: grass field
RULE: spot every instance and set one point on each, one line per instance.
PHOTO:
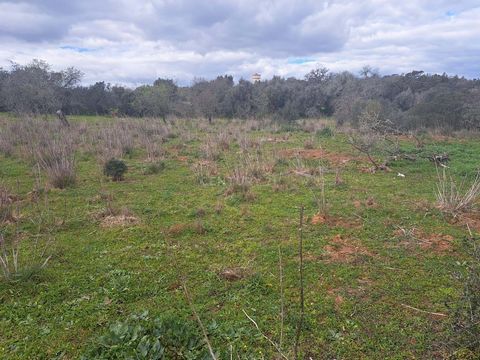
(379, 257)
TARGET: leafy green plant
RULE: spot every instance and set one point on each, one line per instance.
(141, 337)
(115, 169)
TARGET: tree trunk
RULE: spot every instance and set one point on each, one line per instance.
(63, 119)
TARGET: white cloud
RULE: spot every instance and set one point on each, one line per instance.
(131, 42)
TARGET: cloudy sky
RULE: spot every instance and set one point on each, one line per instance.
(136, 41)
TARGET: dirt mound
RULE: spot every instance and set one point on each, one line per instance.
(434, 242)
(344, 250)
(320, 219)
(233, 274)
(337, 159)
(472, 220)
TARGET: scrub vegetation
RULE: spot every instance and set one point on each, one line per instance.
(237, 239)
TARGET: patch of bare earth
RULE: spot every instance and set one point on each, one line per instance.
(119, 221)
(232, 274)
(337, 159)
(368, 203)
(332, 221)
(434, 242)
(344, 250)
(469, 220)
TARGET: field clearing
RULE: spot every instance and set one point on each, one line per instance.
(379, 257)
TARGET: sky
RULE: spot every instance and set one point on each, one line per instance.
(133, 42)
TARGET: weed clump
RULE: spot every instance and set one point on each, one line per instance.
(56, 158)
(115, 169)
(140, 337)
(325, 132)
(155, 168)
(465, 320)
(453, 198)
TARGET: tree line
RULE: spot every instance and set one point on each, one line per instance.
(408, 101)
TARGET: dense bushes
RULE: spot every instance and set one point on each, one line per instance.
(409, 101)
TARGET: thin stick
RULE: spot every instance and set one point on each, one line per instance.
(302, 302)
(282, 295)
(265, 336)
(424, 311)
(190, 303)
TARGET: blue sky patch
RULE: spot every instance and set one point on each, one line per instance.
(76, 48)
(300, 61)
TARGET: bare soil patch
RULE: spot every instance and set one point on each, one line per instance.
(232, 274)
(332, 221)
(343, 250)
(337, 159)
(434, 242)
(472, 220)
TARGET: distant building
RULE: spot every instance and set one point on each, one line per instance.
(256, 78)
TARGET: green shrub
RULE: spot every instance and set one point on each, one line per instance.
(325, 132)
(115, 169)
(140, 337)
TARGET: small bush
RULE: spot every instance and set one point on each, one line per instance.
(325, 132)
(155, 168)
(115, 169)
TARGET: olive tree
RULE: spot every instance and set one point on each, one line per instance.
(36, 89)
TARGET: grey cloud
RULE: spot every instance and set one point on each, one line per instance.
(185, 38)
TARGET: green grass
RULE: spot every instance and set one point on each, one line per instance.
(98, 275)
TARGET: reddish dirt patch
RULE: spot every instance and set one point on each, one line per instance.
(369, 203)
(437, 243)
(320, 219)
(182, 158)
(344, 250)
(337, 159)
(470, 219)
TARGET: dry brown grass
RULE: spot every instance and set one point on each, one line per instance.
(454, 198)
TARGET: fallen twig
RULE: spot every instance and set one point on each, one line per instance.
(265, 336)
(190, 303)
(424, 311)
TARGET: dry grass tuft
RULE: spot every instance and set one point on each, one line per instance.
(453, 198)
